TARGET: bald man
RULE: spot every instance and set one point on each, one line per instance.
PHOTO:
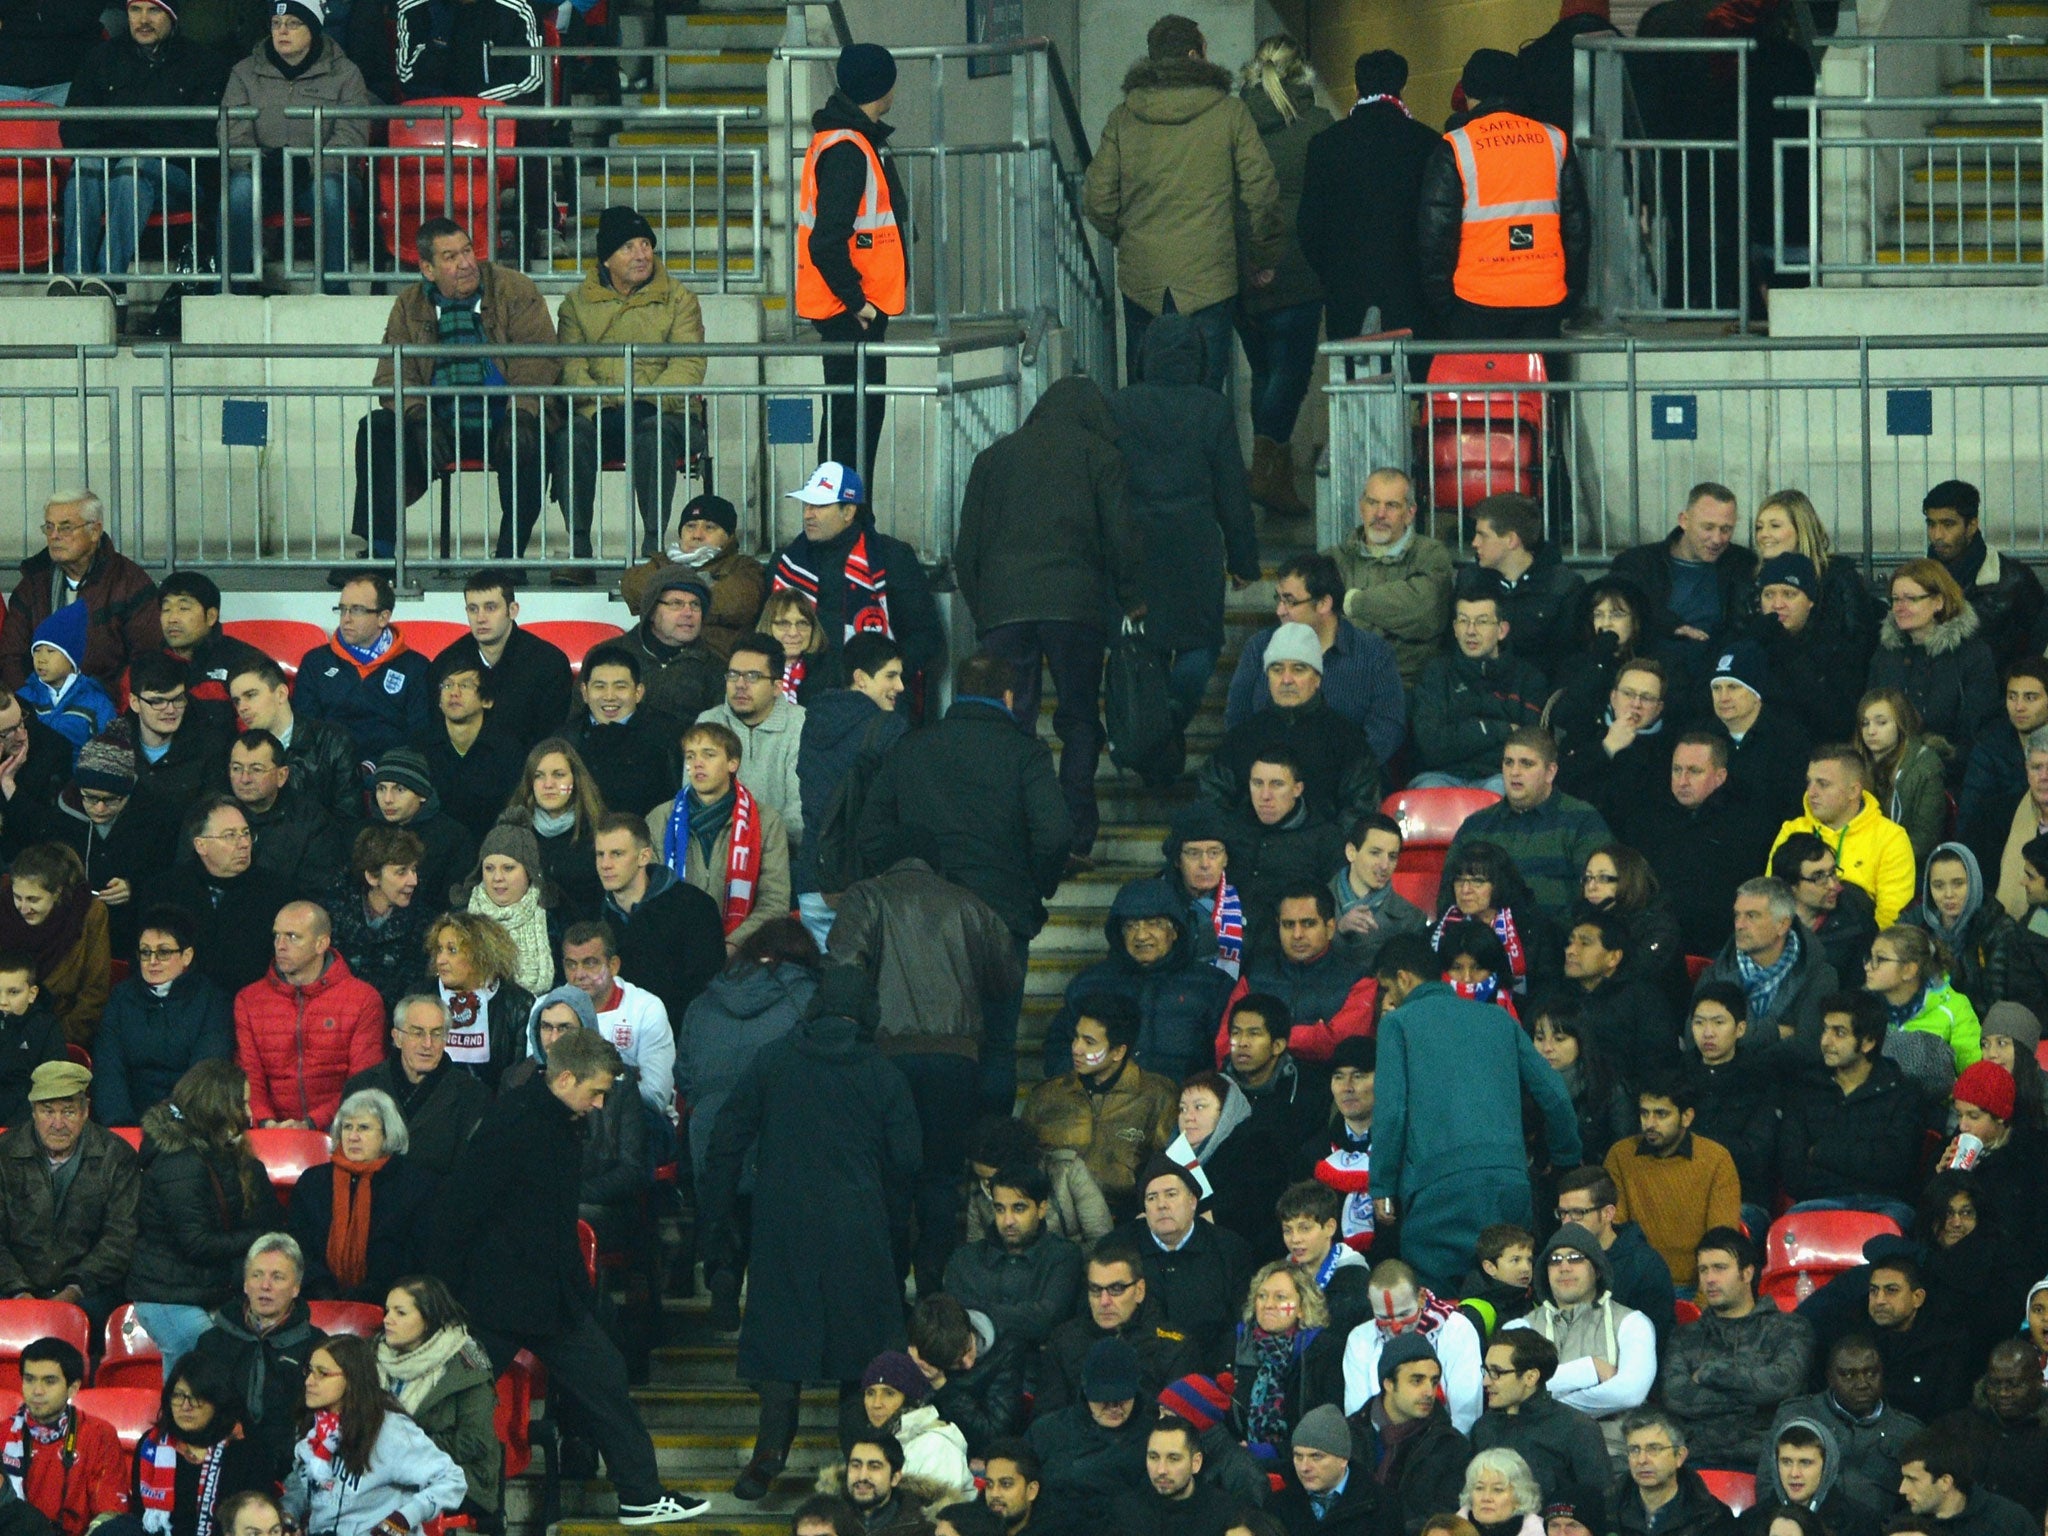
(307, 1027)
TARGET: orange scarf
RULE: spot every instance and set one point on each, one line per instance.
(348, 1233)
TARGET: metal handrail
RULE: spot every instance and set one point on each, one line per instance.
(562, 51)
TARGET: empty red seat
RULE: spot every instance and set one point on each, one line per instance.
(1685, 1311)
(131, 1410)
(412, 188)
(132, 1134)
(130, 1357)
(1817, 1245)
(287, 1152)
(22, 1322)
(575, 638)
(357, 1317)
(1431, 817)
(284, 641)
(1417, 887)
(1483, 435)
(524, 1381)
(430, 637)
(1696, 967)
(29, 196)
(1735, 1489)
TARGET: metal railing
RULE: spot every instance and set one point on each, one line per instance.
(996, 227)
(1671, 209)
(253, 456)
(566, 55)
(1863, 425)
(60, 424)
(63, 210)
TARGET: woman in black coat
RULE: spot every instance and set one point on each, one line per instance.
(821, 1111)
(1930, 650)
(1187, 492)
(204, 1200)
(146, 1042)
(358, 1221)
(198, 1454)
(1234, 1155)
(1610, 630)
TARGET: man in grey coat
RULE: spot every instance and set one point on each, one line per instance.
(1725, 1375)
(1562, 1446)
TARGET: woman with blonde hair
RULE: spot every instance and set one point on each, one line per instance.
(1930, 650)
(1285, 1316)
(474, 962)
(1500, 1497)
(1788, 523)
(1906, 766)
(1909, 969)
(1280, 308)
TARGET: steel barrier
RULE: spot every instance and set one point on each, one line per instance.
(245, 456)
(1863, 425)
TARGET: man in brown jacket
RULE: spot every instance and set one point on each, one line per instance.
(460, 301)
(79, 564)
(68, 1190)
(628, 298)
(1177, 161)
(707, 542)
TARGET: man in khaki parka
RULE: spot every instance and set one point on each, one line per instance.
(628, 298)
(1177, 161)
(1397, 579)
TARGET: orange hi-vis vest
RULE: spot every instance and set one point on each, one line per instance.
(876, 246)
(1511, 250)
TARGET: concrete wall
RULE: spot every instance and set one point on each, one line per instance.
(1435, 36)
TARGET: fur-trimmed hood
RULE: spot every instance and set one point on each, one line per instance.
(1949, 634)
(924, 1495)
(1175, 90)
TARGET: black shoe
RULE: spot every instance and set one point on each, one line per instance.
(724, 1288)
(759, 1477)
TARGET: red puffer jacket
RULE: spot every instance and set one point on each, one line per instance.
(300, 1044)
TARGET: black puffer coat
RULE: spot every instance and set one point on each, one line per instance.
(146, 1043)
(1188, 493)
(1952, 681)
(199, 1220)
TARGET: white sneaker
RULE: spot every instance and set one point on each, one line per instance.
(666, 1510)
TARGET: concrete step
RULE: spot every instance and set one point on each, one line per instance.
(1980, 127)
(2000, 229)
(707, 1408)
(2024, 256)
(2001, 183)
(2032, 84)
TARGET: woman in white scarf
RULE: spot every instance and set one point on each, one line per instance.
(443, 1378)
(508, 887)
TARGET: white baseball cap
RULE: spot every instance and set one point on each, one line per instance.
(832, 482)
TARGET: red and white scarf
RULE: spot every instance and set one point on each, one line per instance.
(867, 589)
(742, 857)
(23, 1431)
(325, 1438)
(792, 679)
(156, 1475)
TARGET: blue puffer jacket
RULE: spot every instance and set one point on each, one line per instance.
(1180, 997)
(146, 1043)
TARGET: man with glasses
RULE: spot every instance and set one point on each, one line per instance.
(68, 1191)
(1361, 679)
(440, 1102)
(1470, 698)
(1119, 1308)
(472, 766)
(770, 728)
(683, 673)
(79, 564)
(1586, 1197)
(1561, 1444)
(1841, 916)
(120, 831)
(180, 753)
(323, 758)
(296, 840)
(1629, 762)
(365, 679)
(1603, 1352)
(1662, 1495)
(232, 903)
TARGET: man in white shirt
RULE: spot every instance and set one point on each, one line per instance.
(1402, 1304)
(1607, 1353)
(632, 1018)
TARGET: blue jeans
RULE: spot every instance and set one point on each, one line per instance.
(175, 1328)
(48, 95)
(1216, 322)
(124, 194)
(1877, 1205)
(1282, 347)
(242, 232)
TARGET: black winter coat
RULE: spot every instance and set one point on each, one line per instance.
(672, 943)
(458, 65)
(986, 790)
(532, 691)
(1649, 567)
(299, 843)
(1314, 990)
(1540, 608)
(1188, 495)
(1462, 711)
(142, 840)
(146, 1043)
(1360, 1510)
(27, 1040)
(637, 765)
(616, 1165)
(2007, 596)
(986, 1402)
(195, 764)
(2011, 1455)
(570, 863)
(1613, 786)
(1769, 763)
(399, 1195)
(120, 73)
(326, 767)
(1952, 680)
(439, 1111)
(1634, 1025)
(913, 615)
(1815, 676)
(1303, 849)
(844, 738)
(1200, 1285)
(1737, 1106)
(1088, 1467)
(270, 1370)
(1846, 936)
(823, 1297)
(449, 855)
(1361, 242)
(1165, 1354)
(392, 957)
(1026, 1295)
(1695, 1512)
(1832, 1145)
(1061, 477)
(473, 785)
(1700, 855)
(682, 681)
(199, 1223)
(1440, 222)
(232, 943)
(503, 1231)
(1561, 1445)
(1424, 1475)
(1337, 762)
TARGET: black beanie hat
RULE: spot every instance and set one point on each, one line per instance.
(712, 509)
(618, 224)
(866, 72)
(1490, 72)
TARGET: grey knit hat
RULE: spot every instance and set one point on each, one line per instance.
(106, 765)
(514, 842)
(407, 768)
(1295, 642)
(2014, 1020)
(1323, 1429)
(1403, 1349)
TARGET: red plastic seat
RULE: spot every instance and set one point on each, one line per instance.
(284, 641)
(412, 188)
(524, 1381)
(1431, 817)
(2041, 1055)
(1818, 1245)
(1735, 1489)
(586, 1241)
(1417, 887)
(1485, 437)
(1696, 967)
(29, 195)
(357, 1317)
(575, 638)
(430, 637)
(118, 971)
(286, 1153)
(22, 1322)
(131, 1410)
(1685, 1311)
(132, 1134)
(1484, 388)
(130, 1357)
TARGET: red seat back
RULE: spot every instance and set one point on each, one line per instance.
(286, 1153)
(130, 1357)
(131, 1410)
(2041, 1055)
(1696, 967)
(430, 637)
(1417, 887)
(586, 1240)
(1431, 817)
(132, 1134)
(523, 1381)
(1486, 388)
(23, 1321)
(357, 1317)
(284, 641)
(1822, 1240)
(1735, 1489)
(575, 638)
(1685, 1311)
(29, 194)
(410, 189)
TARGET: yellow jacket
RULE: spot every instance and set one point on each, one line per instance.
(1873, 852)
